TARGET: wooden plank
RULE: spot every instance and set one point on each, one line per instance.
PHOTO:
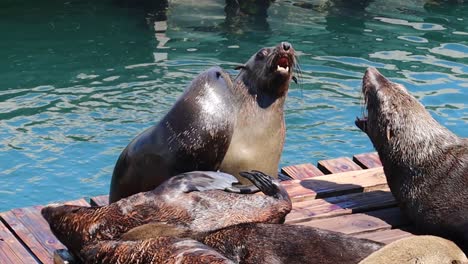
(393, 216)
(301, 171)
(382, 219)
(340, 205)
(338, 165)
(368, 160)
(386, 236)
(350, 224)
(29, 225)
(336, 184)
(101, 200)
(11, 250)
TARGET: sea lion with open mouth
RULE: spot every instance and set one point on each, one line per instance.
(425, 164)
(260, 90)
(214, 125)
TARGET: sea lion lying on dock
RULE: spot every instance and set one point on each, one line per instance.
(425, 164)
(214, 125)
(418, 250)
(195, 201)
(250, 243)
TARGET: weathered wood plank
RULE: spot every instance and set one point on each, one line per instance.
(385, 236)
(340, 205)
(336, 184)
(338, 165)
(372, 221)
(350, 224)
(29, 225)
(11, 250)
(368, 160)
(301, 171)
(101, 200)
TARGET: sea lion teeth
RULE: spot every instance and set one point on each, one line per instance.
(282, 69)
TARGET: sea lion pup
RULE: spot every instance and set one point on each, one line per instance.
(193, 201)
(193, 136)
(418, 250)
(425, 164)
(162, 250)
(276, 243)
(260, 91)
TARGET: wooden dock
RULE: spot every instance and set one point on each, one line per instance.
(345, 195)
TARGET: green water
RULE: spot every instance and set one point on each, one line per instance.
(79, 79)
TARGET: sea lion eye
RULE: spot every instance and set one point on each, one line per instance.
(262, 54)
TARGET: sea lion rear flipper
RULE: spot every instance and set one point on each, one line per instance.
(267, 184)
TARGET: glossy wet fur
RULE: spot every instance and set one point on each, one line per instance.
(426, 165)
(193, 201)
(260, 90)
(194, 135)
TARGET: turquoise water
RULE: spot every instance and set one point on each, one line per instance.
(79, 79)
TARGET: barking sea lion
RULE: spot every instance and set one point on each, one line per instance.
(426, 165)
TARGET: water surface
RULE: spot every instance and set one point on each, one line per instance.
(80, 79)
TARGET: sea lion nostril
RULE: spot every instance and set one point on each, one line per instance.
(286, 45)
(218, 74)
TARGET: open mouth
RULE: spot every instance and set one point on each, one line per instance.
(282, 65)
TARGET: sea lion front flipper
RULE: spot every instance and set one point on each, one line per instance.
(267, 184)
(200, 181)
(242, 189)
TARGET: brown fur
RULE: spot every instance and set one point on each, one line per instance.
(194, 201)
(259, 130)
(163, 250)
(418, 250)
(274, 243)
(426, 165)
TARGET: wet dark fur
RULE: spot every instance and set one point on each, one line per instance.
(193, 135)
(426, 165)
(192, 201)
(274, 243)
(259, 131)
(167, 250)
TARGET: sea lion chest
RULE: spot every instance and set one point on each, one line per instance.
(257, 140)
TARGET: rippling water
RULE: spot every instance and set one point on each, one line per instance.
(79, 79)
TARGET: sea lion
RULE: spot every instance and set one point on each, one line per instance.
(425, 164)
(275, 243)
(194, 135)
(214, 126)
(194, 201)
(260, 91)
(162, 250)
(418, 250)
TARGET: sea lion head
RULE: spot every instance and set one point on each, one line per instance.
(270, 70)
(396, 121)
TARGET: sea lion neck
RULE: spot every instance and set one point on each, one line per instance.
(260, 91)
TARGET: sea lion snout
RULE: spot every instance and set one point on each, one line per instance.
(373, 80)
(286, 45)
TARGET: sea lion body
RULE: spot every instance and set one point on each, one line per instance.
(260, 91)
(214, 126)
(275, 243)
(194, 201)
(418, 250)
(194, 135)
(425, 164)
(162, 250)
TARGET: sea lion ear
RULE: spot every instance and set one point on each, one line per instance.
(240, 67)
